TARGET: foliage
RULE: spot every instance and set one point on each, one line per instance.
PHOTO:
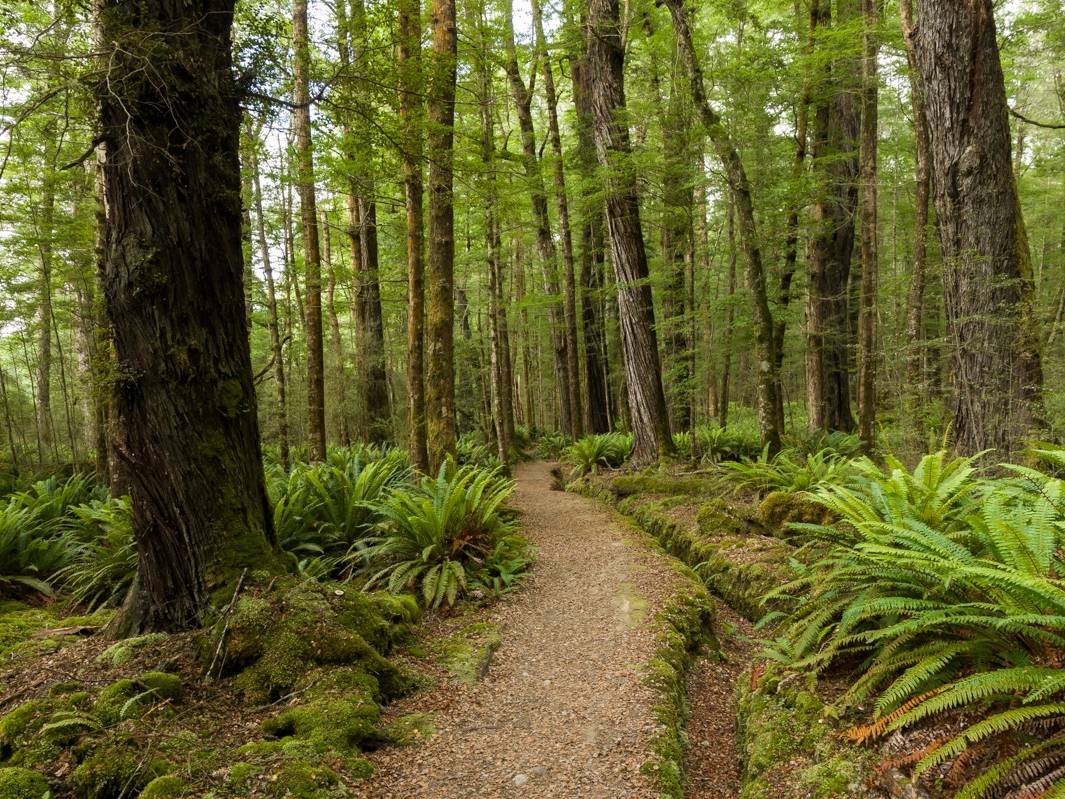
(322, 511)
(587, 454)
(550, 446)
(944, 590)
(106, 560)
(714, 444)
(788, 471)
(435, 533)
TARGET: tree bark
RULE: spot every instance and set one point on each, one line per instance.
(569, 282)
(440, 294)
(767, 378)
(678, 208)
(987, 281)
(173, 282)
(301, 117)
(271, 310)
(411, 118)
(545, 242)
(647, 402)
(593, 258)
(834, 148)
(45, 235)
(913, 390)
(730, 318)
(867, 322)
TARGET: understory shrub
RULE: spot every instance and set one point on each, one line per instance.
(436, 534)
(941, 592)
(588, 454)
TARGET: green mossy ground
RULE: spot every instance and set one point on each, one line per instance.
(314, 655)
(21, 628)
(789, 747)
(467, 654)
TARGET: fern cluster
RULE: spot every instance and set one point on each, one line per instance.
(788, 471)
(588, 454)
(943, 590)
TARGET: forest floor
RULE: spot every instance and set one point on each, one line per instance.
(564, 709)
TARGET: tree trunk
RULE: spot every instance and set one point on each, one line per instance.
(867, 321)
(173, 281)
(440, 294)
(569, 282)
(678, 208)
(987, 282)
(301, 117)
(643, 371)
(730, 318)
(45, 234)
(545, 242)
(411, 117)
(271, 310)
(361, 189)
(913, 389)
(835, 163)
(593, 258)
(768, 381)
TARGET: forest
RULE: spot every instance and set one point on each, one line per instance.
(511, 398)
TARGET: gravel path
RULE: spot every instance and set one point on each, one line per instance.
(563, 711)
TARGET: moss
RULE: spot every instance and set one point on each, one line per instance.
(19, 622)
(302, 780)
(123, 698)
(411, 728)
(114, 769)
(20, 740)
(468, 653)
(22, 783)
(789, 747)
(120, 653)
(780, 508)
(163, 787)
(330, 722)
(273, 640)
(662, 483)
(239, 775)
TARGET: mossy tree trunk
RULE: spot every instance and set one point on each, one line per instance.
(643, 371)
(173, 281)
(987, 276)
(440, 290)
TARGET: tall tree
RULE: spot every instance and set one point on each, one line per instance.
(272, 322)
(593, 256)
(836, 123)
(913, 393)
(867, 323)
(569, 279)
(545, 241)
(173, 281)
(301, 120)
(647, 401)
(987, 280)
(768, 378)
(440, 293)
(411, 112)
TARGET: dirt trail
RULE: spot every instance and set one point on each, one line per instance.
(563, 711)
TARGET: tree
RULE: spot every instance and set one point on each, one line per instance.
(440, 293)
(301, 117)
(987, 278)
(568, 394)
(411, 118)
(768, 380)
(867, 322)
(643, 372)
(836, 122)
(173, 282)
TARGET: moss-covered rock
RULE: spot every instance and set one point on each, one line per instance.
(780, 508)
(22, 783)
(164, 787)
(115, 768)
(790, 747)
(468, 653)
(128, 696)
(331, 722)
(272, 640)
(121, 652)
